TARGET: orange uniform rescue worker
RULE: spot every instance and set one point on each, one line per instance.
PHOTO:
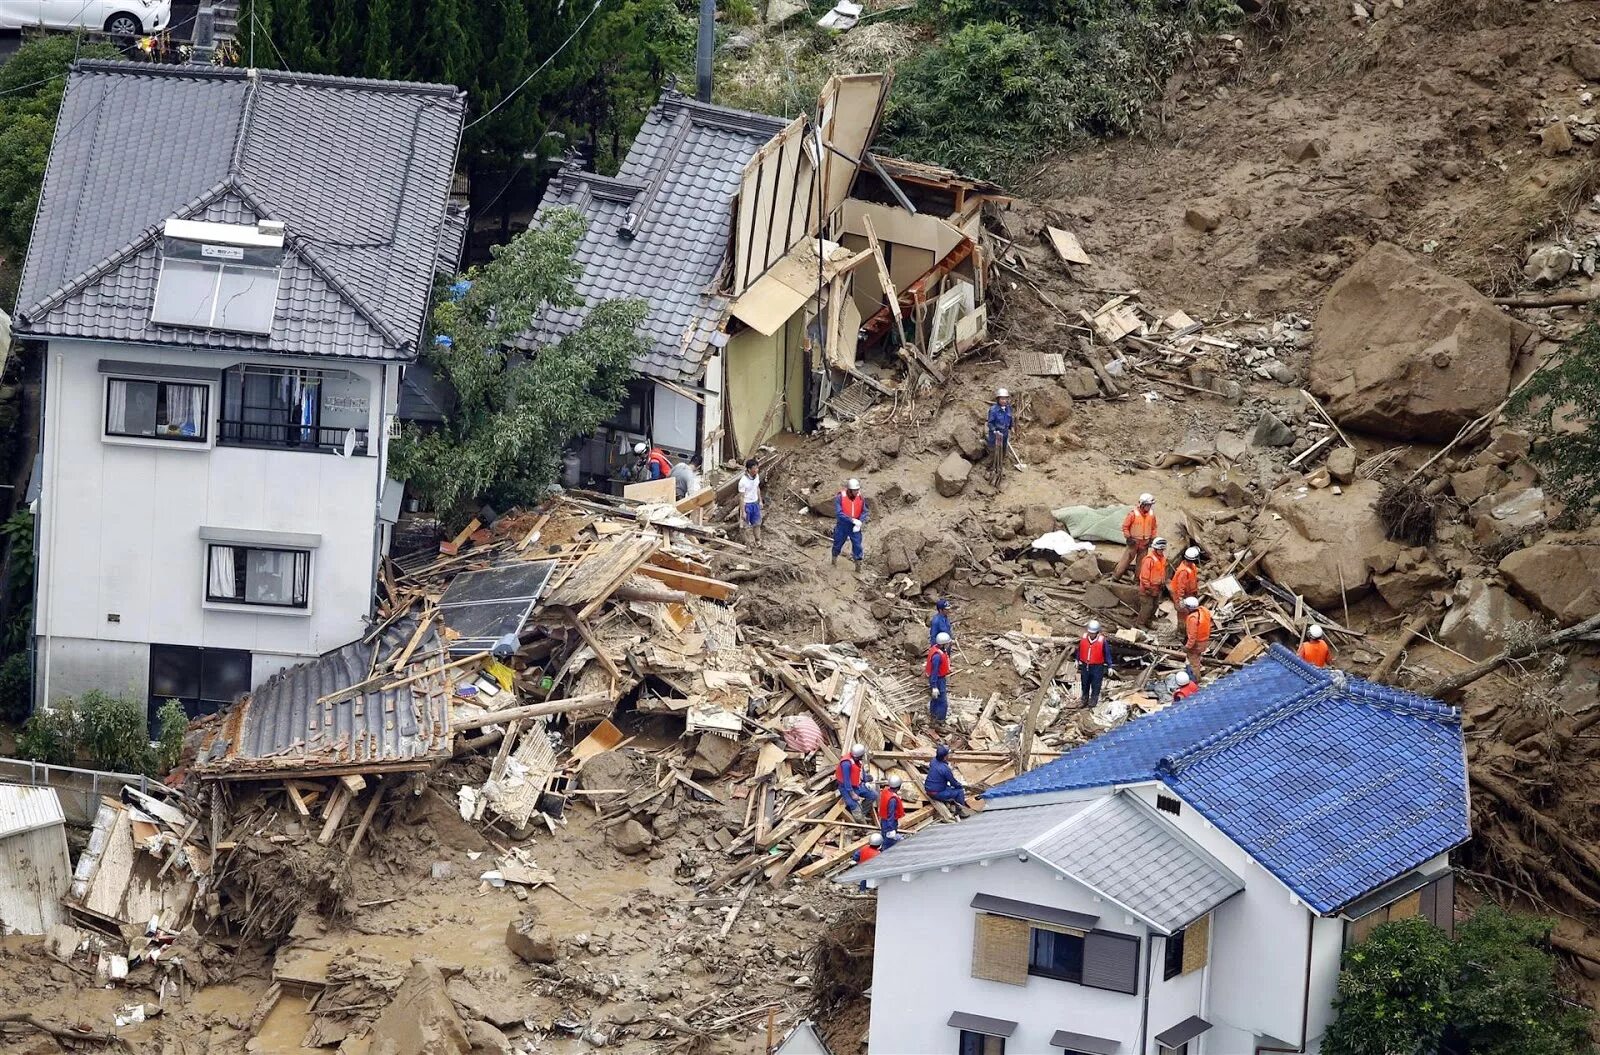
(1138, 529)
(1198, 636)
(1185, 583)
(1314, 650)
(1152, 580)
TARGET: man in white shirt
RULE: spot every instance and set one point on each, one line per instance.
(750, 496)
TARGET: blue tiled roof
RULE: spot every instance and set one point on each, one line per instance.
(1333, 784)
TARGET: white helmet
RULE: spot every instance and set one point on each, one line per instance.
(1192, 553)
(640, 448)
(1180, 679)
(942, 639)
(894, 783)
(1158, 543)
(1094, 626)
(874, 839)
(1001, 393)
(852, 484)
(1147, 499)
(1314, 631)
(1191, 603)
(858, 751)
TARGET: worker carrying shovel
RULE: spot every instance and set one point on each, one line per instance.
(998, 435)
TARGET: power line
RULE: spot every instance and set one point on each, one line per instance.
(273, 44)
(527, 80)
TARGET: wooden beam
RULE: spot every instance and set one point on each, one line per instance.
(699, 585)
(804, 846)
(297, 800)
(673, 562)
(1025, 748)
(416, 639)
(366, 819)
(355, 782)
(383, 684)
(532, 710)
(454, 545)
(599, 652)
(335, 813)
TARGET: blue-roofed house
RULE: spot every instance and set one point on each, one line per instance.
(1185, 884)
(231, 271)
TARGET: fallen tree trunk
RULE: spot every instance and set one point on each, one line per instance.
(1380, 674)
(1460, 681)
(62, 1033)
(1554, 300)
(1509, 796)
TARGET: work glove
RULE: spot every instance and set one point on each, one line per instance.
(857, 525)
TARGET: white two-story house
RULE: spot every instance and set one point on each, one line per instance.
(1185, 884)
(230, 271)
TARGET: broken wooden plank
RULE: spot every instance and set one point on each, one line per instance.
(1067, 247)
(335, 813)
(454, 545)
(355, 782)
(297, 800)
(382, 684)
(699, 585)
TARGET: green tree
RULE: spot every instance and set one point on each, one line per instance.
(169, 749)
(515, 413)
(1561, 404)
(1394, 992)
(115, 731)
(1410, 990)
(378, 46)
(51, 736)
(31, 83)
(344, 48)
(448, 49)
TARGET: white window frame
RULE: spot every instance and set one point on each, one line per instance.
(210, 539)
(213, 393)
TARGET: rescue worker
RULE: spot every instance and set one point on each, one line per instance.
(941, 783)
(849, 515)
(1138, 529)
(1185, 583)
(750, 501)
(653, 463)
(1152, 580)
(1197, 633)
(937, 668)
(685, 481)
(998, 435)
(854, 784)
(1183, 686)
(941, 622)
(891, 809)
(1314, 649)
(866, 853)
(1094, 659)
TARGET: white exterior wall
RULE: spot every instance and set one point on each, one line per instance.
(922, 967)
(119, 524)
(1174, 1000)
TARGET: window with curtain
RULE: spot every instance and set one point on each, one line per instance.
(275, 407)
(275, 578)
(973, 1043)
(162, 410)
(1056, 955)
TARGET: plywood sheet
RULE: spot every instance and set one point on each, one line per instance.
(652, 491)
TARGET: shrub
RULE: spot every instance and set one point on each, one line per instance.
(51, 736)
(116, 732)
(169, 750)
(16, 685)
(1561, 404)
(1394, 992)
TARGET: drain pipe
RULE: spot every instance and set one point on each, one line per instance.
(702, 55)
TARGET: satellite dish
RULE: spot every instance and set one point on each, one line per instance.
(349, 443)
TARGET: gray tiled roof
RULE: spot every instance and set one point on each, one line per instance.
(1114, 845)
(280, 726)
(679, 178)
(359, 172)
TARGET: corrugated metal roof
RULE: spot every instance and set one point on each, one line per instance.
(24, 809)
(1114, 845)
(280, 727)
(680, 177)
(358, 170)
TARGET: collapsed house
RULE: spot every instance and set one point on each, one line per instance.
(774, 256)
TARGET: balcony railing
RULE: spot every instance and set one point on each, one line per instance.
(232, 433)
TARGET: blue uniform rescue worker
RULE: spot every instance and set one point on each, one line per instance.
(941, 784)
(891, 808)
(937, 668)
(1094, 659)
(998, 433)
(849, 515)
(854, 784)
(941, 622)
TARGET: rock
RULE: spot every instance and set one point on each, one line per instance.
(914, 640)
(1230, 445)
(1585, 61)
(937, 561)
(971, 442)
(631, 837)
(1510, 516)
(610, 770)
(1203, 217)
(1508, 446)
(486, 1038)
(713, 755)
(1406, 352)
(851, 457)
(1322, 538)
(1051, 406)
(1560, 575)
(1272, 432)
(421, 1019)
(1037, 520)
(61, 941)
(820, 502)
(1547, 265)
(1163, 247)
(889, 446)
(478, 1004)
(1082, 568)
(1319, 477)
(1302, 149)
(1405, 590)
(900, 547)
(950, 478)
(1476, 620)
(1473, 484)
(1555, 138)
(532, 941)
(1080, 382)
(1282, 373)
(1341, 464)
(1099, 596)
(1204, 482)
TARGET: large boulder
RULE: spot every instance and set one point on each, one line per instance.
(1322, 539)
(900, 546)
(421, 1019)
(1560, 575)
(1476, 621)
(937, 561)
(951, 475)
(1404, 351)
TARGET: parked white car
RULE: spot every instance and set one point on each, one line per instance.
(126, 18)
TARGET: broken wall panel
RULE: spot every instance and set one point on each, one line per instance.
(777, 204)
(849, 112)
